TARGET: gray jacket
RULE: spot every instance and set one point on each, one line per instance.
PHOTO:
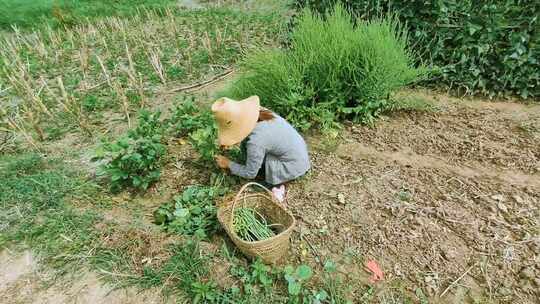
(280, 147)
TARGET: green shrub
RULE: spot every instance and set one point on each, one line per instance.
(488, 47)
(135, 160)
(334, 69)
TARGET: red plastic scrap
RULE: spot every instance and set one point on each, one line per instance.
(377, 274)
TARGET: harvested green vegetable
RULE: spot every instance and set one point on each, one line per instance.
(250, 225)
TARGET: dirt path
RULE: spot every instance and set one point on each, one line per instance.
(430, 196)
(22, 281)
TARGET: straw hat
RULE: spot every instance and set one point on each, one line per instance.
(235, 119)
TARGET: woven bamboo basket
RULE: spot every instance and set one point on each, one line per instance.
(270, 250)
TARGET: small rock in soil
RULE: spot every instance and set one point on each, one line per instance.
(518, 199)
(498, 197)
(502, 207)
(341, 198)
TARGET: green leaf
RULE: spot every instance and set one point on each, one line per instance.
(137, 181)
(304, 272)
(183, 212)
(294, 288)
(329, 266)
(322, 295)
(289, 269)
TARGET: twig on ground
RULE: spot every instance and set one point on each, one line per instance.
(117, 274)
(315, 252)
(200, 85)
(86, 89)
(457, 280)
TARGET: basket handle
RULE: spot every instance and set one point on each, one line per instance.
(240, 192)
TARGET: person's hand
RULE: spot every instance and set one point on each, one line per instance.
(222, 162)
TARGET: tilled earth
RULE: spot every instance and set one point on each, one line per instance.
(446, 201)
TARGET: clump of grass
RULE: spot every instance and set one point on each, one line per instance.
(336, 67)
(26, 164)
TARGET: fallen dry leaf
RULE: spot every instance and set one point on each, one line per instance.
(377, 274)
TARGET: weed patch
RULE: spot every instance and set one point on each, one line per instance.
(334, 69)
(34, 211)
(192, 213)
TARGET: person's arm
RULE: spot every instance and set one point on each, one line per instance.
(255, 158)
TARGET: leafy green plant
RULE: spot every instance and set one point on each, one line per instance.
(337, 67)
(188, 117)
(296, 279)
(135, 160)
(191, 213)
(204, 141)
(26, 164)
(204, 292)
(92, 103)
(256, 279)
(487, 47)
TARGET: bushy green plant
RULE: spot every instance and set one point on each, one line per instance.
(188, 117)
(198, 124)
(335, 68)
(296, 279)
(134, 160)
(204, 141)
(487, 47)
(191, 213)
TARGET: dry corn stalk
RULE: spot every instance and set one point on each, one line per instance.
(121, 93)
(135, 79)
(207, 43)
(35, 121)
(40, 47)
(155, 61)
(21, 81)
(72, 107)
(104, 70)
(17, 127)
(84, 63)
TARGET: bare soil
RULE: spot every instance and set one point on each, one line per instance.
(431, 195)
(446, 201)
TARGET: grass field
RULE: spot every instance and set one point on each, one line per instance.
(29, 13)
